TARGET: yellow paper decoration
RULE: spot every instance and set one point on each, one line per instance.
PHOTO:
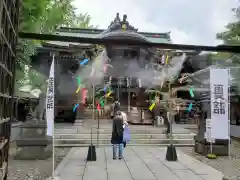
(167, 59)
(78, 89)
(108, 94)
(152, 106)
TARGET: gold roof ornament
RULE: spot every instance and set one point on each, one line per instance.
(124, 27)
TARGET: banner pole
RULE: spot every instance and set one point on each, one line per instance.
(229, 115)
(129, 94)
(53, 154)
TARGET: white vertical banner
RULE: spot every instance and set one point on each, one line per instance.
(208, 133)
(50, 100)
(219, 103)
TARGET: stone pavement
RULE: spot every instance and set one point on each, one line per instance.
(140, 163)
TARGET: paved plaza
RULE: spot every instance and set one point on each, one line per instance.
(140, 163)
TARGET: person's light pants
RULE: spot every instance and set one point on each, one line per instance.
(118, 147)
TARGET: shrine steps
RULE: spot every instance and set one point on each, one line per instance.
(80, 135)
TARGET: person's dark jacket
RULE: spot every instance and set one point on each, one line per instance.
(117, 130)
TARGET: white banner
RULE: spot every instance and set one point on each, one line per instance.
(50, 101)
(219, 103)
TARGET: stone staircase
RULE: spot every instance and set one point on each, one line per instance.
(79, 134)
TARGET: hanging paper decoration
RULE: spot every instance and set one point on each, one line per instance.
(191, 92)
(84, 62)
(84, 95)
(105, 89)
(163, 59)
(152, 106)
(190, 107)
(109, 93)
(167, 58)
(78, 89)
(98, 107)
(78, 80)
(75, 107)
(102, 103)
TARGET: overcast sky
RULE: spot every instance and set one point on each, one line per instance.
(190, 21)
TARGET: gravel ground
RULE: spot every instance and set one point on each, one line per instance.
(229, 166)
(33, 169)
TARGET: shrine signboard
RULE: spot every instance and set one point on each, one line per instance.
(219, 103)
(135, 115)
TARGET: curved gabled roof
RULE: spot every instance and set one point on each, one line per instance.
(123, 35)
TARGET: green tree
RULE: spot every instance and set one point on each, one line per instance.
(232, 35)
(81, 21)
(42, 17)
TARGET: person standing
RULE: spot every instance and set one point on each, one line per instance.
(125, 124)
(117, 135)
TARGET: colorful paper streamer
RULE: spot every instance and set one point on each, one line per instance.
(98, 107)
(167, 59)
(109, 93)
(102, 103)
(78, 89)
(163, 59)
(78, 80)
(190, 107)
(191, 92)
(84, 95)
(105, 89)
(75, 107)
(84, 62)
(152, 106)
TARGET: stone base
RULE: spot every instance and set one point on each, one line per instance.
(204, 149)
(171, 154)
(33, 153)
(92, 156)
(33, 143)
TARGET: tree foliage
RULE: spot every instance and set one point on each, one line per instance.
(81, 21)
(43, 16)
(232, 35)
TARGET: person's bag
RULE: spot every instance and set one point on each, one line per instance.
(126, 135)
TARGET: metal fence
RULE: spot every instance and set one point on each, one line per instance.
(8, 38)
